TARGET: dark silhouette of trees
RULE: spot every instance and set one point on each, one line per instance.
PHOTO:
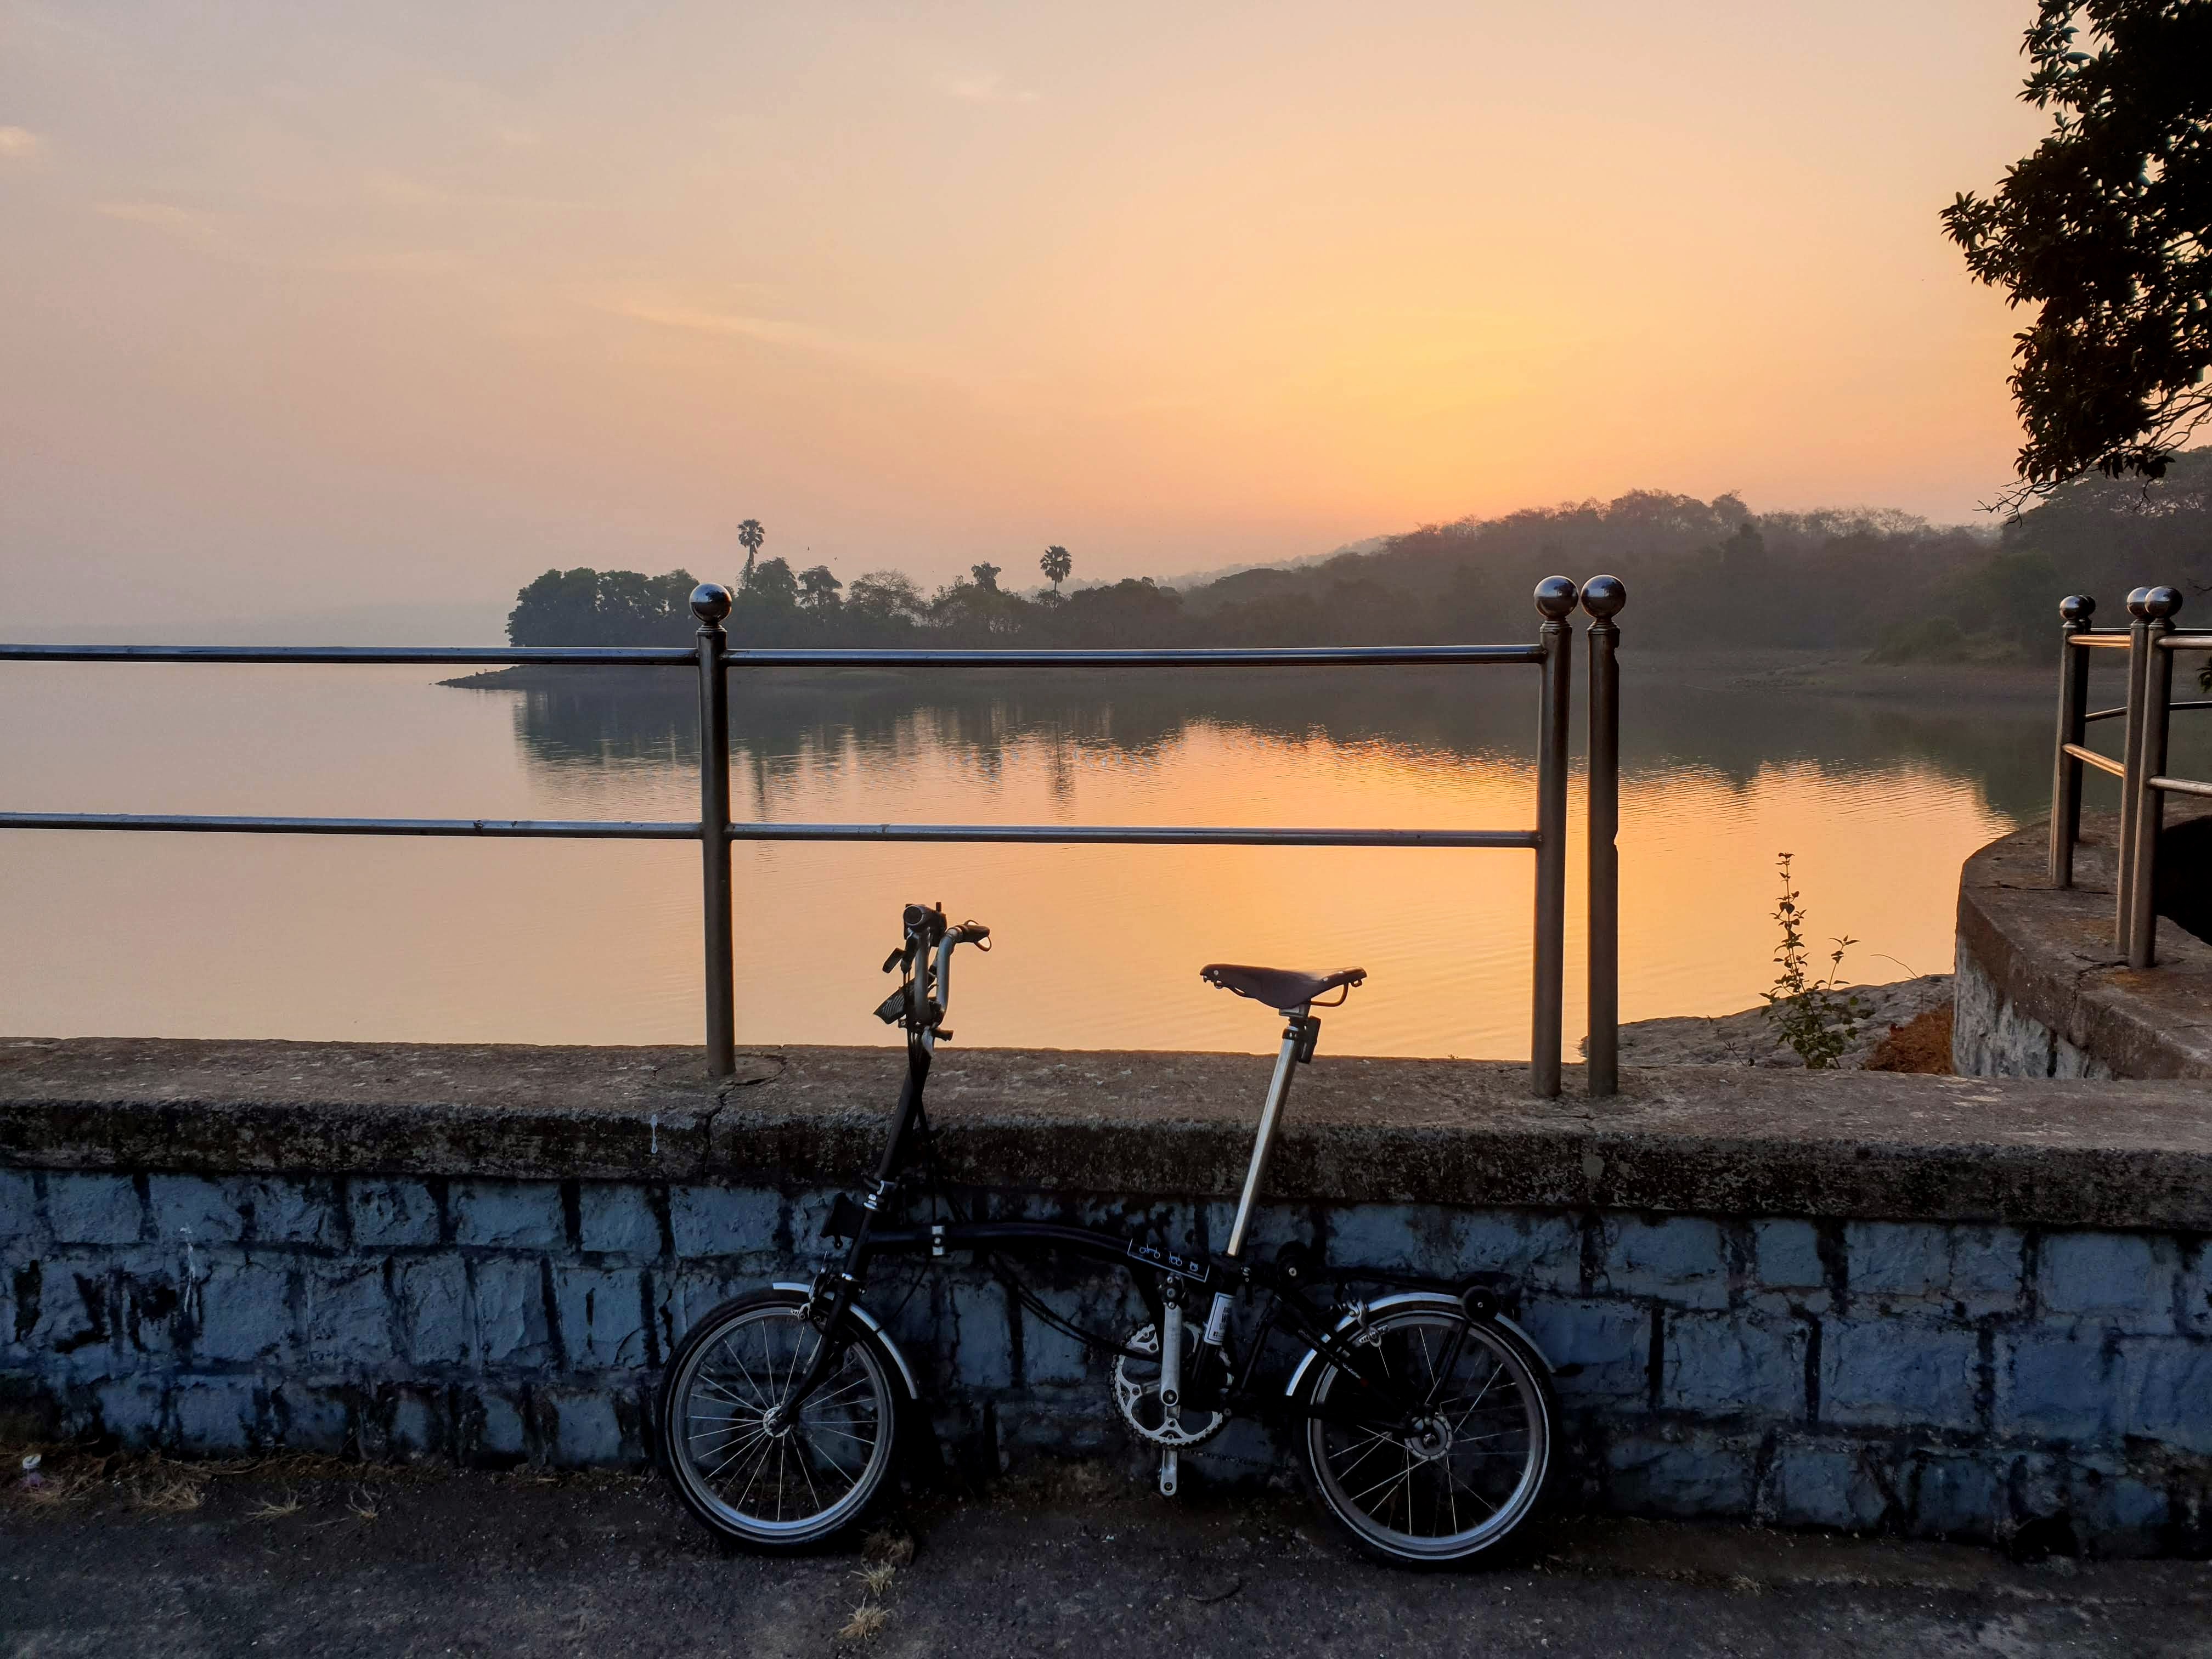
(769, 592)
(611, 607)
(751, 537)
(884, 602)
(818, 591)
(2107, 229)
(1056, 564)
(1702, 575)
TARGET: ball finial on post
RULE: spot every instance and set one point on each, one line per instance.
(711, 602)
(1555, 598)
(1603, 597)
(2138, 598)
(2076, 610)
(2160, 604)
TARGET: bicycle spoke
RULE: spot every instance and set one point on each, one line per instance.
(758, 1463)
(722, 1435)
(807, 1473)
(1470, 1491)
(722, 1392)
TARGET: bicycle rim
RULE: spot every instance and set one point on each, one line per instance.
(1474, 1472)
(778, 1482)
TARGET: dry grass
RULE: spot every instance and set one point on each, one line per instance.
(877, 1579)
(866, 1620)
(55, 1489)
(889, 1549)
(69, 1475)
(168, 1493)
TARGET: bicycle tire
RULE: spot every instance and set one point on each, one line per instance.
(758, 1486)
(1399, 1498)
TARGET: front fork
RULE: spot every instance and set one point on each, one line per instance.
(836, 1291)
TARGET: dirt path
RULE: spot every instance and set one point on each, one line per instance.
(332, 1564)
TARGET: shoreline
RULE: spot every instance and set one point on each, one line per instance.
(1825, 674)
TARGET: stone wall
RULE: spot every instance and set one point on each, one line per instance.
(2040, 991)
(1959, 1379)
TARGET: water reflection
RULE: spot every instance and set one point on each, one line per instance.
(1099, 946)
(1731, 733)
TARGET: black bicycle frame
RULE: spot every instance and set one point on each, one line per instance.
(1152, 1270)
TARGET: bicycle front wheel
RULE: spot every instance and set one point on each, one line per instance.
(1471, 1466)
(744, 1460)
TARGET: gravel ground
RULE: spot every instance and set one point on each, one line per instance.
(305, 1559)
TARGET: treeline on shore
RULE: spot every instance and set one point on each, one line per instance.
(1701, 576)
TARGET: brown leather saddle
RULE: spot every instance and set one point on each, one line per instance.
(1283, 989)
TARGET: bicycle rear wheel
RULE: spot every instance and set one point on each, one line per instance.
(1472, 1467)
(743, 1460)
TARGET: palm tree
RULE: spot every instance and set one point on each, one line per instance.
(749, 537)
(1055, 564)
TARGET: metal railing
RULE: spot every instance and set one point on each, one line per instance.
(714, 660)
(2150, 641)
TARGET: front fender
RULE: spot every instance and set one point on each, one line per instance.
(875, 1328)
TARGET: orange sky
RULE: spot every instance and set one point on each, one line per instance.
(384, 306)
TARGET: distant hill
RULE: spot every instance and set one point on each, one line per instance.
(1705, 575)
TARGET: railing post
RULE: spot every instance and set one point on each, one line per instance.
(2075, 611)
(1603, 597)
(710, 603)
(2159, 605)
(1555, 601)
(2132, 764)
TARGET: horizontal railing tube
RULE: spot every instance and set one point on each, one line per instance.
(574, 656)
(2102, 763)
(1313, 656)
(2175, 707)
(1134, 835)
(504, 828)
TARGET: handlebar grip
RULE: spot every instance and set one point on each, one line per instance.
(971, 932)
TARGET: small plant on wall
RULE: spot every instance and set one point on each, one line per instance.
(1811, 1015)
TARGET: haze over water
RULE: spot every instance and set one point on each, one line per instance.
(1097, 947)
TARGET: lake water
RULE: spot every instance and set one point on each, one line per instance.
(456, 940)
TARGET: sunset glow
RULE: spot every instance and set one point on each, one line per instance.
(393, 306)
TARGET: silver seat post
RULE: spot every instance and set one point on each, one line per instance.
(1271, 1119)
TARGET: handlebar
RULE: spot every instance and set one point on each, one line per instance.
(926, 929)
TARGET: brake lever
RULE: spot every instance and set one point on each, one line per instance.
(894, 959)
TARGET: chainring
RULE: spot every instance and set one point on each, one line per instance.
(1138, 1397)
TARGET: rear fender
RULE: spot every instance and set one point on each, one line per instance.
(1435, 1299)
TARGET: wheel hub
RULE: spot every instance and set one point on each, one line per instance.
(1431, 1439)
